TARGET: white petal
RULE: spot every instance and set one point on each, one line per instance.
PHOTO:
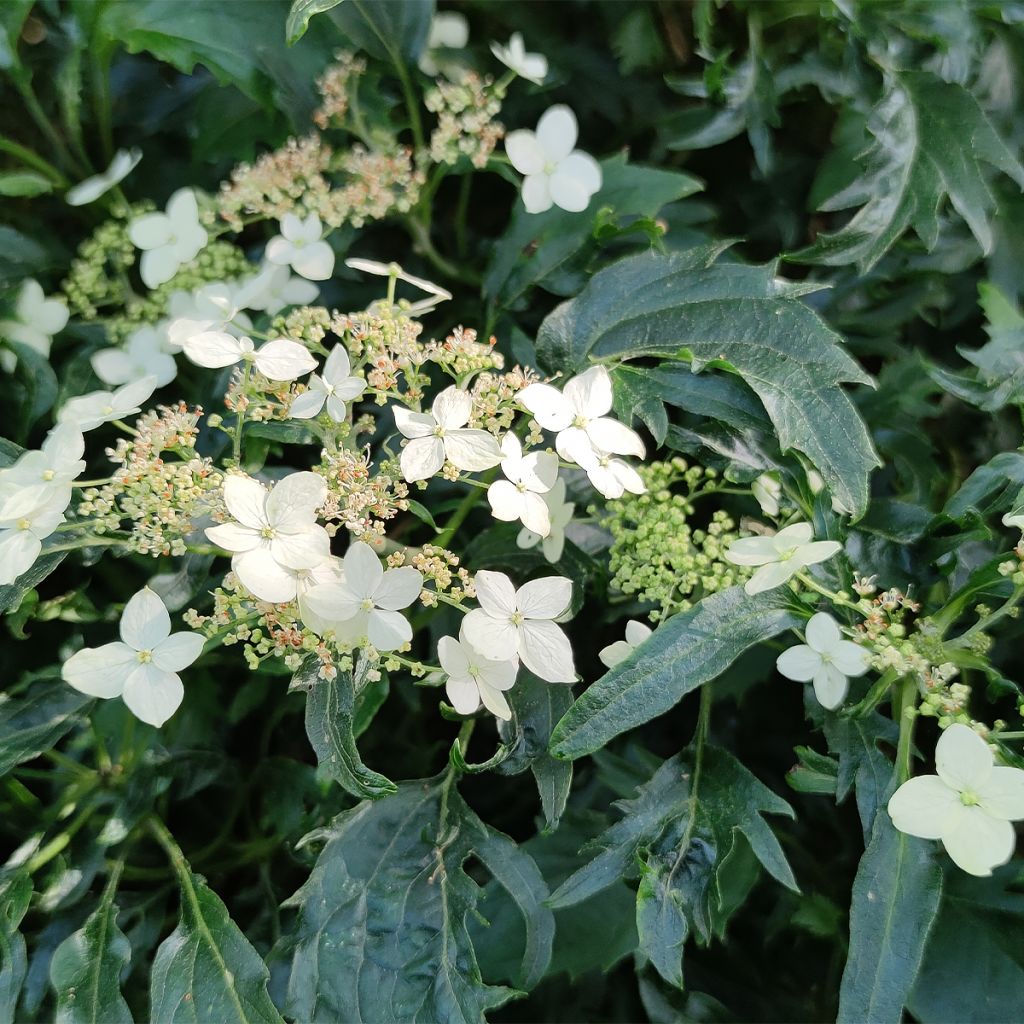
(793, 537)
(822, 632)
(627, 476)
(153, 695)
(524, 152)
(545, 598)
(422, 458)
(246, 500)
(536, 193)
(924, 807)
(158, 266)
(332, 602)
(496, 639)
(314, 262)
(752, 551)
(387, 630)
(150, 231)
(494, 701)
(144, 621)
(471, 450)
(505, 501)
(539, 471)
(534, 514)
(338, 365)
(830, 686)
(818, 551)
(452, 408)
(452, 657)
(279, 251)
(574, 445)
(178, 651)
(978, 843)
(112, 366)
(637, 632)
(498, 675)
(399, 588)
(556, 133)
(605, 481)
(100, 671)
(18, 551)
(260, 573)
(850, 658)
(546, 651)
(308, 404)
(463, 694)
(413, 424)
(182, 209)
(770, 576)
(567, 192)
(963, 759)
(1002, 796)
(363, 571)
(336, 409)
(496, 594)
(293, 500)
(611, 436)
(282, 359)
(615, 653)
(212, 349)
(548, 406)
(301, 549)
(583, 169)
(799, 663)
(234, 537)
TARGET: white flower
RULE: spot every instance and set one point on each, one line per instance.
(969, 805)
(1015, 518)
(211, 307)
(28, 515)
(336, 387)
(330, 570)
(56, 464)
(275, 532)
(169, 239)
(125, 161)
(636, 634)
(142, 667)
(531, 66)
(442, 434)
(611, 476)
(145, 355)
(89, 411)
(366, 604)
(434, 292)
(780, 556)
(826, 659)
(300, 246)
(520, 496)
(510, 622)
(579, 415)
(449, 30)
(559, 515)
(37, 320)
(555, 172)
(279, 359)
(274, 288)
(474, 679)
(767, 489)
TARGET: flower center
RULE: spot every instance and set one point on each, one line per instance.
(969, 799)
(517, 619)
(145, 657)
(366, 604)
(48, 474)
(107, 410)
(439, 431)
(24, 524)
(579, 420)
(268, 532)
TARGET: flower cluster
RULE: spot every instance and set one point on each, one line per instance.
(466, 125)
(334, 86)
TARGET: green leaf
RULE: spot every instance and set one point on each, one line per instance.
(206, 970)
(87, 966)
(895, 903)
(15, 893)
(536, 246)
(392, 30)
(815, 773)
(733, 317)
(13, 14)
(24, 183)
(330, 724)
(992, 487)
(299, 15)
(34, 723)
(381, 931)
(12, 594)
(931, 139)
(683, 653)
(40, 386)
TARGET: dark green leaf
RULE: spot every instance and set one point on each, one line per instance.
(299, 15)
(12, 594)
(685, 652)
(394, 30)
(15, 893)
(35, 722)
(24, 183)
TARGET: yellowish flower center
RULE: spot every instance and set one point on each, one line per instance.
(145, 657)
(24, 524)
(969, 799)
(48, 474)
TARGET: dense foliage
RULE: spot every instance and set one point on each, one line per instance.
(448, 573)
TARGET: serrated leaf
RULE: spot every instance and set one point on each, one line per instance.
(738, 318)
(895, 902)
(682, 654)
(299, 15)
(15, 893)
(206, 970)
(34, 722)
(87, 966)
(930, 140)
(330, 726)
(381, 930)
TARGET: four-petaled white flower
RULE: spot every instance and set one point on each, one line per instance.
(531, 66)
(510, 622)
(36, 320)
(449, 30)
(559, 515)
(780, 556)
(579, 415)
(333, 389)
(56, 464)
(88, 191)
(142, 667)
(90, 411)
(435, 293)
(366, 603)
(168, 239)
(611, 476)
(556, 173)
(826, 659)
(442, 434)
(301, 246)
(521, 495)
(330, 570)
(474, 679)
(145, 355)
(767, 489)
(274, 288)
(279, 359)
(636, 633)
(275, 532)
(28, 515)
(968, 805)
(211, 307)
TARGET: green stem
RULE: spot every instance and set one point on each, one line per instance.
(100, 76)
(425, 247)
(32, 104)
(700, 736)
(904, 706)
(461, 212)
(458, 517)
(87, 542)
(808, 581)
(32, 159)
(60, 842)
(236, 446)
